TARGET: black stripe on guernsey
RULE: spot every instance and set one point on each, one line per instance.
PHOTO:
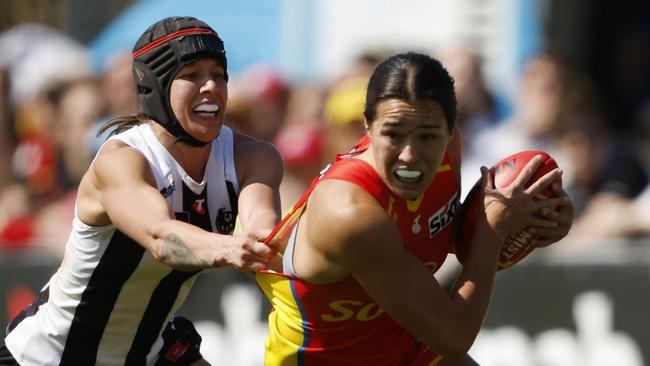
(30, 310)
(232, 196)
(160, 305)
(120, 259)
(195, 207)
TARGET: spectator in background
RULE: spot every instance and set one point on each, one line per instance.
(608, 176)
(558, 111)
(610, 183)
(16, 224)
(7, 134)
(118, 87)
(260, 102)
(608, 171)
(476, 105)
(52, 155)
(535, 123)
(343, 114)
(80, 105)
(34, 159)
(35, 85)
(33, 163)
(118, 91)
(343, 107)
(477, 111)
(641, 204)
(301, 142)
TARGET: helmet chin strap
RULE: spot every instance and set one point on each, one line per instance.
(180, 135)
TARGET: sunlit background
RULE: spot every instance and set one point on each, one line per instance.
(569, 77)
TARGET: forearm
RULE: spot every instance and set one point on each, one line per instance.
(186, 247)
(259, 222)
(473, 289)
(259, 209)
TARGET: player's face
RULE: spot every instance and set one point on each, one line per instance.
(198, 97)
(408, 142)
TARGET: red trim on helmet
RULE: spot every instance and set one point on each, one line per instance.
(169, 37)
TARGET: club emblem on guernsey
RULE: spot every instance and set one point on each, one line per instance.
(225, 221)
(198, 206)
(416, 227)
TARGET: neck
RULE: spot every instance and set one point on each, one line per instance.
(192, 159)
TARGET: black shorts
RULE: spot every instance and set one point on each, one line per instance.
(6, 359)
(182, 344)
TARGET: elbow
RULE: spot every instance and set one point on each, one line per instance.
(160, 241)
(456, 350)
(155, 247)
(453, 343)
(154, 242)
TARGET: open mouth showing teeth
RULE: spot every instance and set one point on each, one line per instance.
(408, 176)
(207, 110)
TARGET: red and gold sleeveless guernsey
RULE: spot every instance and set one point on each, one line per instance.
(339, 323)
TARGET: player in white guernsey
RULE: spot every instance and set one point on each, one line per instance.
(156, 207)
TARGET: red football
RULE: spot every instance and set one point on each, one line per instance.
(517, 245)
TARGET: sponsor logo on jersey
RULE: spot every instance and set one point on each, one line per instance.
(350, 309)
(443, 216)
(198, 206)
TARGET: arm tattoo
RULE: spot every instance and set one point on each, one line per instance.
(176, 254)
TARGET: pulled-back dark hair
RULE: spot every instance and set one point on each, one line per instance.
(411, 76)
(120, 124)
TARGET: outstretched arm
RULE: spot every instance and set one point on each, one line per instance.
(121, 184)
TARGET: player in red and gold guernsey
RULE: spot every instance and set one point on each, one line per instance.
(354, 285)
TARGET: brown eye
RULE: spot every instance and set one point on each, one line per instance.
(393, 136)
(218, 76)
(188, 76)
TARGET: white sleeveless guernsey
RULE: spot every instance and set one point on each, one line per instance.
(110, 300)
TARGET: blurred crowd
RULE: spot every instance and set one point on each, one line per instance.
(49, 118)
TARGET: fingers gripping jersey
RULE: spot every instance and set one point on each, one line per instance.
(339, 323)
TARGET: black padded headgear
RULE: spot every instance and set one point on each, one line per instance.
(160, 52)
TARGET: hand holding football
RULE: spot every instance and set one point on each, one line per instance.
(516, 245)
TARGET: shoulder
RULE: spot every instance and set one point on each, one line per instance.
(255, 157)
(115, 150)
(251, 151)
(341, 199)
(356, 215)
(245, 145)
(116, 166)
(117, 157)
